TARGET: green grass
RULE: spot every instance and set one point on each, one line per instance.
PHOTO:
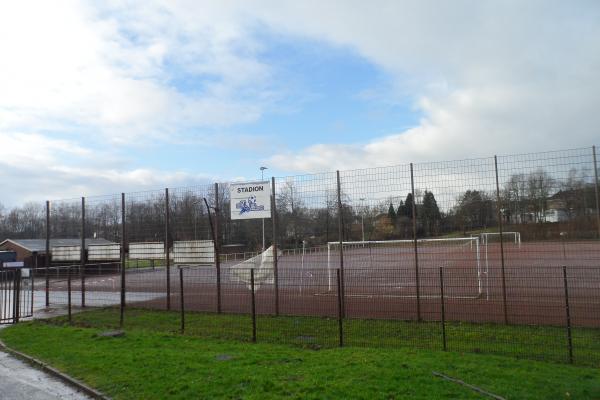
(156, 364)
(534, 342)
(144, 263)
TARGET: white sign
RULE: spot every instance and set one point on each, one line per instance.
(104, 252)
(66, 253)
(14, 264)
(147, 251)
(194, 252)
(250, 200)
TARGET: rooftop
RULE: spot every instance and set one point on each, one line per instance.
(39, 245)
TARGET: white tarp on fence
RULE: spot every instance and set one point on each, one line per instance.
(104, 252)
(147, 251)
(194, 252)
(263, 265)
(66, 253)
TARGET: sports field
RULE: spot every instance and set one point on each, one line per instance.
(380, 282)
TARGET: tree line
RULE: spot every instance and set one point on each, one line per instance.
(524, 199)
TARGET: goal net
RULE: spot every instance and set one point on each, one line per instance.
(375, 259)
(263, 266)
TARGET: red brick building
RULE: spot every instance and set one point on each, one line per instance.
(33, 251)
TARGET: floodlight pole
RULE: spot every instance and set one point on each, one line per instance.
(262, 178)
(564, 247)
(195, 216)
(197, 203)
(362, 218)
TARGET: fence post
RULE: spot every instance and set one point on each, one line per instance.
(181, 296)
(416, 246)
(16, 295)
(217, 257)
(340, 308)
(167, 254)
(596, 186)
(123, 260)
(217, 248)
(443, 309)
(501, 230)
(275, 241)
(82, 254)
(69, 291)
(253, 305)
(341, 239)
(47, 255)
(32, 278)
(568, 314)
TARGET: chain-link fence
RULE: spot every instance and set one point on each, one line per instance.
(497, 255)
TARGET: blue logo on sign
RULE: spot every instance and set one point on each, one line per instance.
(246, 206)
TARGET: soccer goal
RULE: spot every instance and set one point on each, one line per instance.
(263, 265)
(458, 253)
(494, 237)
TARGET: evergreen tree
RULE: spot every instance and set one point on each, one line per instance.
(408, 205)
(430, 213)
(392, 214)
(401, 210)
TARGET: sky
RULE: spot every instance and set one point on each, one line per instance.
(105, 97)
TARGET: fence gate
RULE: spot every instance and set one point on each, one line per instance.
(16, 290)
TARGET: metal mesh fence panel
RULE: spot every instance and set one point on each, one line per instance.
(149, 280)
(188, 213)
(549, 199)
(494, 255)
(307, 219)
(102, 283)
(309, 310)
(200, 302)
(65, 250)
(306, 210)
(584, 307)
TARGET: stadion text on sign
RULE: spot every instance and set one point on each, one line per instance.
(250, 200)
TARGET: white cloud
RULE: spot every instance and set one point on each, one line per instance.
(115, 69)
(116, 75)
(33, 167)
(487, 77)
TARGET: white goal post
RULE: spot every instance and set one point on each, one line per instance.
(473, 243)
(514, 237)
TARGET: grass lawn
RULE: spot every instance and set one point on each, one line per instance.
(152, 361)
(544, 343)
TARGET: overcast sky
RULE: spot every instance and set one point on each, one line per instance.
(130, 95)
